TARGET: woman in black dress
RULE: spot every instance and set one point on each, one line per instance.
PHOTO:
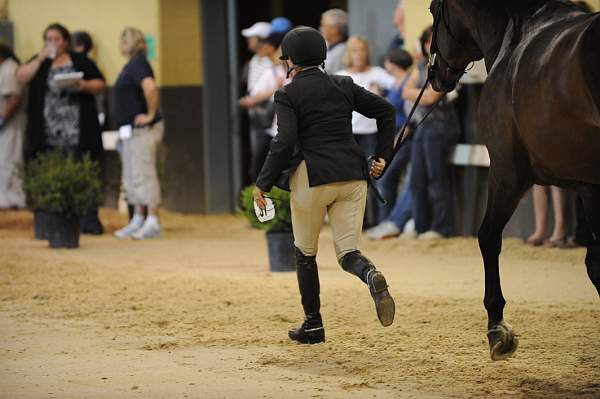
(63, 117)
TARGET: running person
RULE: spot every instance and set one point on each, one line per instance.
(328, 171)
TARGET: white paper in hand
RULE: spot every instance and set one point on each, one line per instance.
(64, 80)
(267, 214)
(125, 132)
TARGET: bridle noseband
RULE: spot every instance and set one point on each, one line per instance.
(435, 51)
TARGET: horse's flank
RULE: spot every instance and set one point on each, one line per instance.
(551, 60)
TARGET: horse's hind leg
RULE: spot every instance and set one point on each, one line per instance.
(507, 184)
(590, 196)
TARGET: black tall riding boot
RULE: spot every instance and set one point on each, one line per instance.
(311, 331)
(357, 264)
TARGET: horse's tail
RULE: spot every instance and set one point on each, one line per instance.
(591, 57)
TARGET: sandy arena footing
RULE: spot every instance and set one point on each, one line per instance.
(196, 314)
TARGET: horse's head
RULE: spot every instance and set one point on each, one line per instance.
(453, 47)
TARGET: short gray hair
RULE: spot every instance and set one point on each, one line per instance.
(339, 19)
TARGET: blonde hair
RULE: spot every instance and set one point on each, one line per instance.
(352, 42)
(133, 39)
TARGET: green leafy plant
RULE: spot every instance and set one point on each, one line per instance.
(283, 215)
(61, 185)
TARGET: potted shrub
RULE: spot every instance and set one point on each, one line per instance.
(280, 239)
(61, 189)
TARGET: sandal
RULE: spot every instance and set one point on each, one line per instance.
(561, 243)
(535, 242)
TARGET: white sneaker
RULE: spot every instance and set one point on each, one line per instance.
(150, 229)
(131, 228)
(383, 230)
(430, 235)
(409, 231)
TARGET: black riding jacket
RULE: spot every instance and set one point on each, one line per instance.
(314, 123)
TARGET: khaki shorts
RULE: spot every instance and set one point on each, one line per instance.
(344, 203)
(140, 178)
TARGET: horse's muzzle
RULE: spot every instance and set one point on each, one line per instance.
(442, 85)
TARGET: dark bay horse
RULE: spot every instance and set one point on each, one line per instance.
(539, 114)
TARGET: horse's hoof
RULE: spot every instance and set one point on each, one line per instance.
(503, 342)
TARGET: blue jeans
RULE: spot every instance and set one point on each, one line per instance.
(402, 211)
(429, 177)
(388, 184)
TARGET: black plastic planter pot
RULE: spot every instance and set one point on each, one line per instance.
(63, 232)
(281, 251)
(40, 225)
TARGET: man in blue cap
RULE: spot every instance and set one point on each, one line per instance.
(281, 25)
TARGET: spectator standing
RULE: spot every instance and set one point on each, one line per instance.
(399, 21)
(260, 100)
(431, 147)
(334, 28)
(83, 44)
(375, 79)
(252, 71)
(135, 112)
(63, 117)
(397, 63)
(12, 130)
(540, 207)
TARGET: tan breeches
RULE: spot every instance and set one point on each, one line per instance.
(344, 203)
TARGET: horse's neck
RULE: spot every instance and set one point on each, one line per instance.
(487, 25)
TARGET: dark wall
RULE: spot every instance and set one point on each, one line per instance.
(181, 160)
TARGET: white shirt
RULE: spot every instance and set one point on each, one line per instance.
(374, 75)
(257, 66)
(270, 82)
(8, 83)
(11, 139)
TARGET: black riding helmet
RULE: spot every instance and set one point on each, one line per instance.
(305, 46)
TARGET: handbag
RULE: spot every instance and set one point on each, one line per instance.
(261, 116)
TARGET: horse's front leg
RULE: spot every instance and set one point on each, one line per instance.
(507, 184)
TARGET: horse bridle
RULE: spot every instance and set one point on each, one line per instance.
(435, 51)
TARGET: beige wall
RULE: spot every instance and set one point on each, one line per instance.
(417, 18)
(104, 20)
(174, 24)
(181, 53)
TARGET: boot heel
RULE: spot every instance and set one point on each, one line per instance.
(315, 335)
(306, 335)
(384, 303)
